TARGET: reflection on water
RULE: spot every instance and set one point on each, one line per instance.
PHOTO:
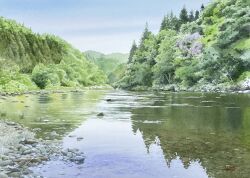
(60, 112)
(145, 134)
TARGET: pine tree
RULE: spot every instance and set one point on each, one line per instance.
(170, 22)
(184, 16)
(202, 7)
(146, 33)
(163, 23)
(197, 14)
(191, 16)
(132, 52)
(175, 22)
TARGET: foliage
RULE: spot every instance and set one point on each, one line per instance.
(117, 73)
(132, 52)
(164, 68)
(210, 46)
(44, 59)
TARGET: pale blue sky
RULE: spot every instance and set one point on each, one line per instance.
(102, 25)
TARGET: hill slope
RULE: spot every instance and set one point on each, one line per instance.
(29, 60)
(207, 53)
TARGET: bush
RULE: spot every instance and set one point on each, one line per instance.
(41, 79)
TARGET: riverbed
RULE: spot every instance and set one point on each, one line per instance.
(140, 134)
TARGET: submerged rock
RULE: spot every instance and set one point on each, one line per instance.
(79, 138)
(3, 175)
(101, 114)
(53, 134)
(6, 163)
(78, 159)
(28, 142)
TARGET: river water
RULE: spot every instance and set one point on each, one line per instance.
(142, 134)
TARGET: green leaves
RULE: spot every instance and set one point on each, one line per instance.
(51, 61)
(211, 49)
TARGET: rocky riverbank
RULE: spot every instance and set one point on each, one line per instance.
(20, 150)
(220, 88)
(49, 91)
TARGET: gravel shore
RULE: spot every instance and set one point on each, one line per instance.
(20, 150)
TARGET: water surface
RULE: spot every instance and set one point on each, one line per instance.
(142, 134)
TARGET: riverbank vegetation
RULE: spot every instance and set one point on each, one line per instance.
(30, 61)
(204, 50)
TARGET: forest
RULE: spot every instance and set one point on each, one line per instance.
(177, 104)
(30, 61)
(206, 50)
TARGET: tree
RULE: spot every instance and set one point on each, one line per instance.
(197, 14)
(170, 22)
(164, 68)
(163, 23)
(145, 34)
(132, 52)
(191, 16)
(184, 16)
(202, 7)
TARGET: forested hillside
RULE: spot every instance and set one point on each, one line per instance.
(30, 61)
(111, 64)
(203, 50)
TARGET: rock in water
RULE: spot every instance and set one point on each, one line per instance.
(108, 100)
(78, 159)
(53, 134)
(2, 175)
(101, 114)
(79, 138)
(28, 142)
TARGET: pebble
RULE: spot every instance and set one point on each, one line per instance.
(29, 151)
(3, 175)
(6, 163)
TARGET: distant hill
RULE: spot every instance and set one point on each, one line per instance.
(108, 63)
(119, 57)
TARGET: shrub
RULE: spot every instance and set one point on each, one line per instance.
(41, 79)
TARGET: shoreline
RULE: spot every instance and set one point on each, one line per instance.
(50, 91)
(167, 88)
(198, 89)
(20, 150)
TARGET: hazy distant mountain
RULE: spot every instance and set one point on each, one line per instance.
(111, 64)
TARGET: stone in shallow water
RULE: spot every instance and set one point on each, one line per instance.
(79, 138)
(6, 163)
(2, 175)
(71, 136)
(53, 134)
(78, 159)
(101, 114)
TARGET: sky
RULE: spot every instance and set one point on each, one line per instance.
(102, 25)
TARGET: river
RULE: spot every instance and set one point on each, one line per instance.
(142, 134)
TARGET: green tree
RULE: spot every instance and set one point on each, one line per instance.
(145, 35)
(164, 69)
(132, 52)
(184, 16)
(197, 14)
(191, 16)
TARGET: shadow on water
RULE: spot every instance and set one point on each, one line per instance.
(143, 134)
